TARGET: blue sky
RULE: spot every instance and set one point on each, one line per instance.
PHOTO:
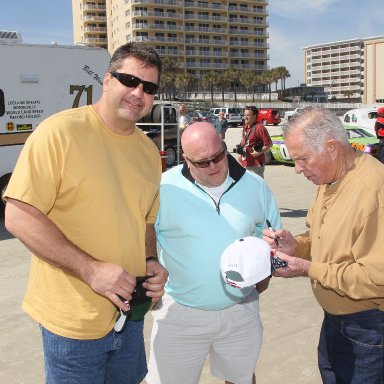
(293, 24)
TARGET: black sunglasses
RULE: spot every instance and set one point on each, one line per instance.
(133, 82)
(205, 163)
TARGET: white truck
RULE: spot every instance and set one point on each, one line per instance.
(37, 81)
(289, 114)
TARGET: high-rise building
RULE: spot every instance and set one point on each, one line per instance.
(201, 35)
(348, 69)
(90, 22)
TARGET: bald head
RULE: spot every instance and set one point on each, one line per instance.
(199, 136)
(205, 154)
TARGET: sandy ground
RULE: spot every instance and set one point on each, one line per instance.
(290, 314)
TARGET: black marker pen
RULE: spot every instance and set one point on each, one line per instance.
(275, 239)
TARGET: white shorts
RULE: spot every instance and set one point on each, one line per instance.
(183, 337)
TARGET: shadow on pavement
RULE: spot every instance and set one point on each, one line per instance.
(285, 212)
(4, 234)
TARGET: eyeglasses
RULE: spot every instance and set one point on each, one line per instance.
(205, 163)
(133, 82)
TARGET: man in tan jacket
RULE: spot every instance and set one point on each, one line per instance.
(342, 252)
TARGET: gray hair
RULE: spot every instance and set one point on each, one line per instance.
(317, 125)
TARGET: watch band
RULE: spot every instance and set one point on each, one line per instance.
(152, 258)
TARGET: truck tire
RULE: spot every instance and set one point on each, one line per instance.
(3, 185)
(171, 156)
(264, 122)
(154, 116)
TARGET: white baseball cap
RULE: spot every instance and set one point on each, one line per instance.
(246, 262)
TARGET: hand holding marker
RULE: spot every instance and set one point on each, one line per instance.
(275, 261)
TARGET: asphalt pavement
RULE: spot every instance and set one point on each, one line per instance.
(290, 315)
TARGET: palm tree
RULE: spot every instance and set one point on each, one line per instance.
(183, 80)
(165, 85)
(232, 75)
(348, 93)
(275, 74)
(280, 72)
(267, 78)
(223, 82)
(171, 66)
(284, 74)
(212, 80)
(255, 80)
(246, 79)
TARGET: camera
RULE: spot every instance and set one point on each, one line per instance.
(258, 146)
(238, 149)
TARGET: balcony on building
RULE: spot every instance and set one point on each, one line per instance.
(158, 2)
(96, 40)
(94, 7)
(95, 29)
(93, 18)
(203, 5)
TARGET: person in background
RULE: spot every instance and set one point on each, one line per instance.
(184, 119)
(71, 202)
(379, 129)
(342, 251)
(204, 207)
(255, 142)
(196, 119)
(221, 124)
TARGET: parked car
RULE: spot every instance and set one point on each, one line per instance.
(234, 115)
(288, 114)
(362, 117)
(203, 116)
(268, 116)
(359, 138)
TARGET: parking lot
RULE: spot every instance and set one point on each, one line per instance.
(290, 314)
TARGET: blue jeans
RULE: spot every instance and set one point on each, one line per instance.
(351, 348)
(116, 358)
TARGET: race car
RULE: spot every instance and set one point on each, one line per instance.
(359, 138)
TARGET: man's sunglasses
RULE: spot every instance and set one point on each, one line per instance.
(133, 82)
(205, 163)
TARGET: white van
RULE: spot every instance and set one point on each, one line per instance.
(362, 117)
(38, 80)
(234, 115)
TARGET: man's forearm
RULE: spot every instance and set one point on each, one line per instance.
(44, 239)
(150, 241)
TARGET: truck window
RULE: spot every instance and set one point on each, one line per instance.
(170, 115)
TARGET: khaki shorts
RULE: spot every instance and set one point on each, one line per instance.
(183, 337)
